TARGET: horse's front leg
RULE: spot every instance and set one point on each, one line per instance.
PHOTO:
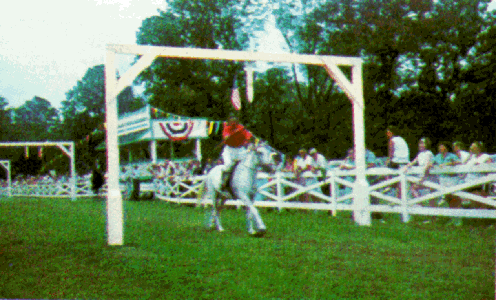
(253, 217)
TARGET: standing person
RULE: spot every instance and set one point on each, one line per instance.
(97, 179)
(303, 167)
(398, 151)
(236, 139)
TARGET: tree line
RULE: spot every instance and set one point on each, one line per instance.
(427, 70)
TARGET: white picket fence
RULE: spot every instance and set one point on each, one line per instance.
(281, 191)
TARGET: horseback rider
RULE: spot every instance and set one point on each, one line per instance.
(236, 139)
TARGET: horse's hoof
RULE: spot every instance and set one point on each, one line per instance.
(259, 233)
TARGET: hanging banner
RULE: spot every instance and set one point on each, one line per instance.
(235, 97)
(211, 128)
(249, 84)
(179, 130)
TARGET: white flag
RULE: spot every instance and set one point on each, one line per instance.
(249, 84)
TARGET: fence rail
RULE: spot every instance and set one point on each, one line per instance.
(390, 191)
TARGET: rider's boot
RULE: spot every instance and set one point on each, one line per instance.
(224, 191)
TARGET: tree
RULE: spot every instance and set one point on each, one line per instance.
(192, 87)
(413, 52)
(83, 112)
(35, 120)
(5, 120)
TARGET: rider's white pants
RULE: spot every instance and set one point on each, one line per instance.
(230, 155)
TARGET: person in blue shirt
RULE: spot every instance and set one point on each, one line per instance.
(446, 158)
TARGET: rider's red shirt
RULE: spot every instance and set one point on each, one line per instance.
(236, 135)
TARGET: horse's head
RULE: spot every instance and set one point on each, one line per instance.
(265, 158)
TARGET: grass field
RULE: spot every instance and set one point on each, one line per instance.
(52, 248)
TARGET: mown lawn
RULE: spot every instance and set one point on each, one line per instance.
(54, 248)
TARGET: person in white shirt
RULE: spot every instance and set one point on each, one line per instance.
(424, 160)
(477, 157)
(459, 149)
(398, 151)
(303, 167)
(319, 161)
(319, 168)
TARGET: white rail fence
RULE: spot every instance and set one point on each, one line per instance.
(390, 191)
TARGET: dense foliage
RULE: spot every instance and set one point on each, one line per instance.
(427, 70)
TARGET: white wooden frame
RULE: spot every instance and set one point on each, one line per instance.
(66, 147)
(405, 205)
(353, 88)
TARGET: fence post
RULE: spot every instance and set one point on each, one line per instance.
(404, 200)
(334, 195)
(279, 192)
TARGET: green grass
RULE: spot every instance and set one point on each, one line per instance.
(53, 248)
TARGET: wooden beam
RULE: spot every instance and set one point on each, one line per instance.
(234, 55)
(127, 79)
(350, 89)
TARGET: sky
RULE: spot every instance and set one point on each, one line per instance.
(47, 46)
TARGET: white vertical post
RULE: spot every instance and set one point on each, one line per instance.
(115, 226)
(334, 195)
(404, 192)
(9, 181)
(361, 188)
(279, 190)
(153, 151)
(72, 149)
(198, 150)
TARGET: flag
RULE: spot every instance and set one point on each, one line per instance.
(40, 152)
(235, 98)
(249, 84)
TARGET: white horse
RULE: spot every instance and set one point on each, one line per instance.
(243, 187)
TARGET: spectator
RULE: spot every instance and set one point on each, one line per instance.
(446, 158)
(477, 157)
(463, 155)
(289, 164)
(424, 160)
(303, 167)
(398, 152)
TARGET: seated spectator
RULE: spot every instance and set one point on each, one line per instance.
(477, 157)
(319, 162)
(460, 151)
(423, 159)
(288, 164)
(446, 158)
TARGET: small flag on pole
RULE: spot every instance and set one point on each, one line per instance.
(235, 98)
(249, 84)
